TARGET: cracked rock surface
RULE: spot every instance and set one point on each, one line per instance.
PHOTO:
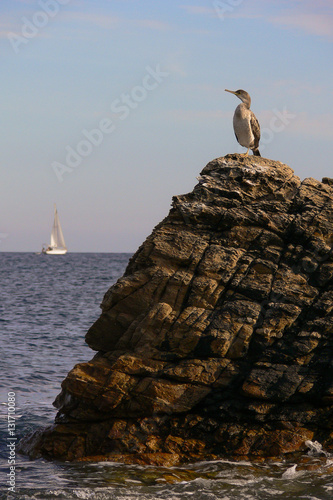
(218, 339)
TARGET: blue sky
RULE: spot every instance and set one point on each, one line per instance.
(109, 108)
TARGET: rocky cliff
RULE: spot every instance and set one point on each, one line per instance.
(218, 339)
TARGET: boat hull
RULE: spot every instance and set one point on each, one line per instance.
(56, 251)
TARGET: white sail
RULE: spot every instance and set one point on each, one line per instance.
(57, 238)
(57, 245)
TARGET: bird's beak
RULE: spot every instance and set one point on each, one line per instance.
(231, 91)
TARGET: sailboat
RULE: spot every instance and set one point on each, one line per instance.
(57, 245)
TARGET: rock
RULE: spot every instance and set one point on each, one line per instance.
(217, 341)
(327, 180)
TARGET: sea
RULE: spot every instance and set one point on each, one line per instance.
(47, 303)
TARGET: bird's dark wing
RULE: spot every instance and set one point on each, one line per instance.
(255, 130)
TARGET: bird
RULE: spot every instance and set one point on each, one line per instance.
(246, 125)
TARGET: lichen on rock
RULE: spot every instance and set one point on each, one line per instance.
(218, 338)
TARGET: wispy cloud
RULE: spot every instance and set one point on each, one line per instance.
(298, 88)
(99, 20)
(175, 64)
(302, 123)
(313, 18)
(199, 9)
(310, 22)
(4, 33)
(107, 21)
(7, 24)
(320, 125)
(12, 22)
(152, 24)
(197, 115)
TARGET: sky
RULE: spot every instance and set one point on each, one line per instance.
(111, 107)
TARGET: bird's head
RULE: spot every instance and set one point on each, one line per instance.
(242, 95)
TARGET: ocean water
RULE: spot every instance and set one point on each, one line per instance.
(47, 303)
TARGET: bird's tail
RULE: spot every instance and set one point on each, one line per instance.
(256, 152)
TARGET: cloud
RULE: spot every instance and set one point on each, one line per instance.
(198, 9)
(197, 115)
(175, 66)
(110, 21)
(7, 24)
(313, 18)
(12, 22)
(101, 21)
(311, 23)
(319, 126)
(4, 34)
(299, 123)
(151, 24)
(300, 88)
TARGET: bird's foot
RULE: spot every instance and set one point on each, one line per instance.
(245, 154)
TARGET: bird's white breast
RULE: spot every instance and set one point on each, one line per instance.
(242, 126)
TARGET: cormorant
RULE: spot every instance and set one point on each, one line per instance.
(246, 125)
